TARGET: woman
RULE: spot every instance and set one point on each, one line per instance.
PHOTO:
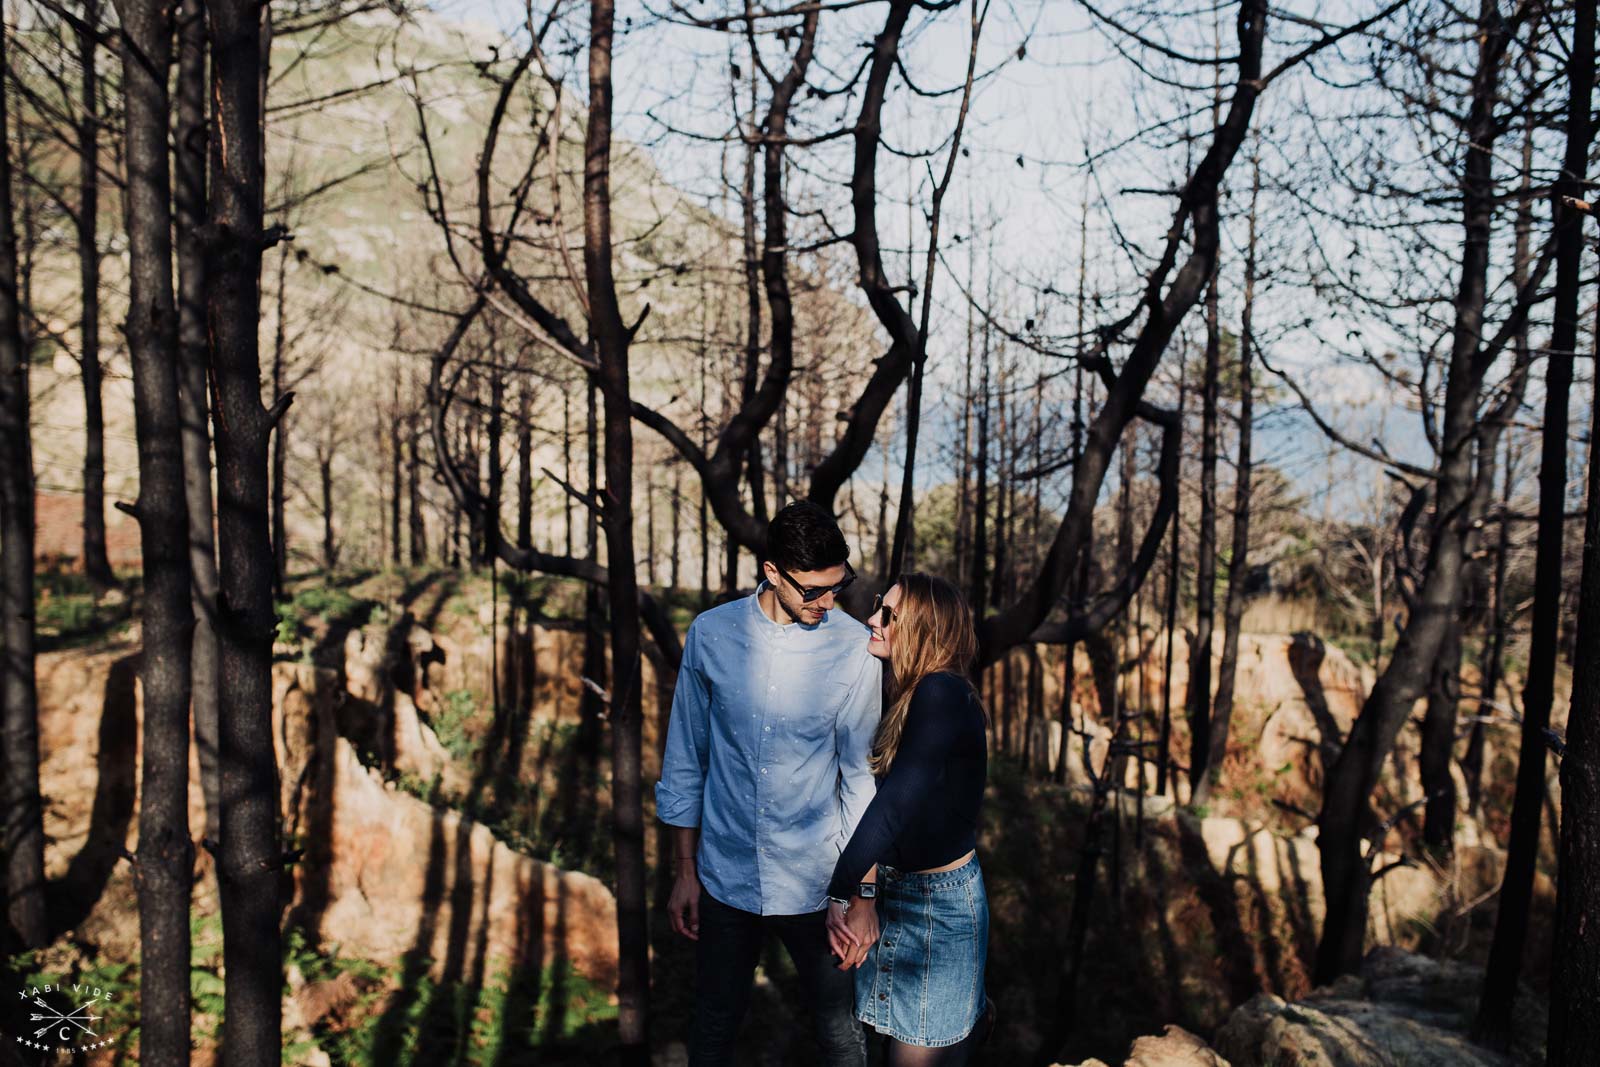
(921, 977)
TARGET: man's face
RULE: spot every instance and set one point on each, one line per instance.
(790, 599)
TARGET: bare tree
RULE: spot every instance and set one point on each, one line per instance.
(23, 839)
(1347, 823)
(95, 561)
(1239, 550)
(189, 202)
(166, 854)
(1575, 972)
(250, 858)
(1493, 1023)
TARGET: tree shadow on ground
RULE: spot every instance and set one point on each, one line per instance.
(74, 895)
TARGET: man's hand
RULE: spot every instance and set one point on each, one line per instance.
(683, 906)
(851, 934)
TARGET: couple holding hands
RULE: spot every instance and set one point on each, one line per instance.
(803, 806)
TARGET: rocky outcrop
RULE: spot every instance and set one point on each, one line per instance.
(384, 876)
(1404, 1011)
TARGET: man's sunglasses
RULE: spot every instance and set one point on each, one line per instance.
(877, 606)
(809, 594)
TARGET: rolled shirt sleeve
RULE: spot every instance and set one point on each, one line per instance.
(854, 730)
(684, 762)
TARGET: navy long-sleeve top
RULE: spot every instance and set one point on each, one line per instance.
(925, 813)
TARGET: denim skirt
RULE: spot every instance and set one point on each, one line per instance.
(922, 983)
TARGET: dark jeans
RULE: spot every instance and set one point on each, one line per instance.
(725, 969)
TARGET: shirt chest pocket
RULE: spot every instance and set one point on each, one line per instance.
(814, 706)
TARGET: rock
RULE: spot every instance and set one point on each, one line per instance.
(1175, 1047)
(1405, 1010)
(316, 1001)
(398, 878)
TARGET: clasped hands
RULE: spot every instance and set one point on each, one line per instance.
(852, 931)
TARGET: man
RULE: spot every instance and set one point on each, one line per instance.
(764, 779)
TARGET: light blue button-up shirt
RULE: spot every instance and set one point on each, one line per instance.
(767, 752)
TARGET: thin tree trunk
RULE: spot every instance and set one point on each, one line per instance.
(980, 506)
(676, 558)
(418, 522)
(165, 855)
(189, 173)
(1575, 971)
(396, 492)
(1164, 744)
(525, 468)
(280, 445)
(23, 842)
(566, 466)
(1197, 702)
(1239, 552)
(497, 399)
(612, 340)
(250, 861)
(96, 564)
(330, 540)
(1493, 1023)
(1494, 653)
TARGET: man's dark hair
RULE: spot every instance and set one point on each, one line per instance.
(804, 537)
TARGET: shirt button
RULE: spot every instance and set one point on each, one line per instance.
(768, 729)
(763, 770)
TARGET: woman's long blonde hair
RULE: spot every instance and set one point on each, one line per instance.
(933, 631)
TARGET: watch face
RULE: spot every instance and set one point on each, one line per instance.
(868, 890)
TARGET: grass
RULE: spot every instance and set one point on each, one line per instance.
(69, 611)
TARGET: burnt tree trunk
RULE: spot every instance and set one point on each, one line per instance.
(1347, 818)
(189, 201)
(612, 340)
(524, 467)
(1197, 701)
(1493, 1023)
(330, 538)
(1170, 618)
(23, 841)
(396, 491)
(165, 855)
(96, 564)
(1239, 551)
(280, 444)
(250, 857)
(415, 517)
(1575, 971)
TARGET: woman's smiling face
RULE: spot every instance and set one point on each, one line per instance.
(881, 623)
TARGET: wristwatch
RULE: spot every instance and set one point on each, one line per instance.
(867, 890)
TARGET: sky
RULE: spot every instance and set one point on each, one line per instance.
(1053, 88)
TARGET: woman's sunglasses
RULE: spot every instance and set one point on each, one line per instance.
(888, 612)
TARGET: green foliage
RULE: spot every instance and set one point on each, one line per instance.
(510, 1020)
(68, 610)
(453, 721)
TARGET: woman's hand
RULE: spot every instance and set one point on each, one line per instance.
(863, 927)
(851, 934)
